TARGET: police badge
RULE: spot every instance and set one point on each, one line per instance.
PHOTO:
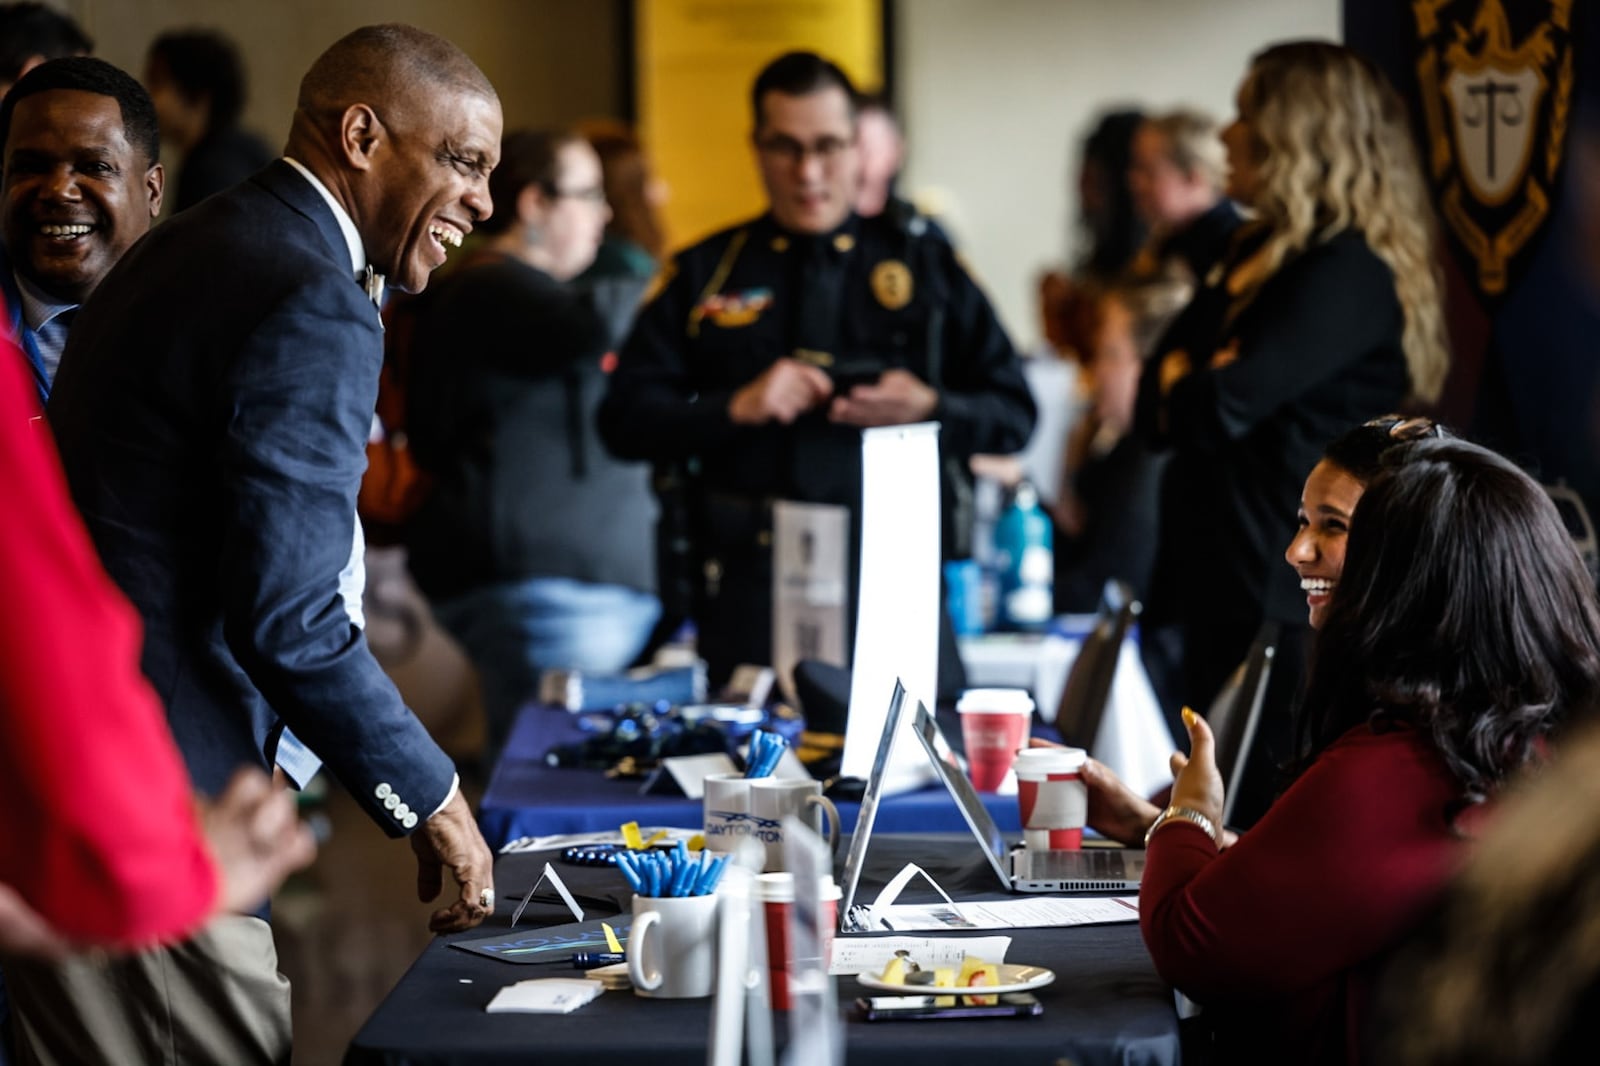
(1497, 98)
(891, 284)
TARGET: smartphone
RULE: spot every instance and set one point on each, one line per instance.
(847, 376)
(895, 1008)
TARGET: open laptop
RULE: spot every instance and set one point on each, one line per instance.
(1090, 869)
(857, 858)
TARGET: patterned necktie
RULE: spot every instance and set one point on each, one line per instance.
(52, 340)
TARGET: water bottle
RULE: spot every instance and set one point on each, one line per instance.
(1024, 562)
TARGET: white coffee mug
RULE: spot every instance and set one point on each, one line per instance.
(726, 817)
(672, 948)
(772, 799)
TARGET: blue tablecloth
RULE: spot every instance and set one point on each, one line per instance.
(527, 797)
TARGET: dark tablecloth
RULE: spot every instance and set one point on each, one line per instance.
(527, 797)
(1107, 1006)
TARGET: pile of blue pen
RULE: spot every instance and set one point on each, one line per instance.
(656, 874)
(765, 751)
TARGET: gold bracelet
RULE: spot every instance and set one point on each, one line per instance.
(1186, 814)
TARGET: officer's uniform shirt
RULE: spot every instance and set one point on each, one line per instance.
(873, 293)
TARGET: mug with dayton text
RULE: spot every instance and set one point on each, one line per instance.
(772, 799)
(726, 819)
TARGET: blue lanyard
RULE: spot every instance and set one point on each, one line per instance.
(30, 344)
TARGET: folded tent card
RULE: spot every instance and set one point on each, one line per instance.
(550, 995)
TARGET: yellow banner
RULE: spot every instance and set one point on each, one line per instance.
(695, 61)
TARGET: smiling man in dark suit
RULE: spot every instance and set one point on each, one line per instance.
(212, 409)
(81, 184)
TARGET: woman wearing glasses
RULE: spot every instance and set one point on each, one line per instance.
(534, 546)
(1325, 312)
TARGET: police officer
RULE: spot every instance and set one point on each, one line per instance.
(772, 344)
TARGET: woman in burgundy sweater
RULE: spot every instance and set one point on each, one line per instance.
(1462, 635)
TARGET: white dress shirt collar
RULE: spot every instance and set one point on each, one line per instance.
(347, 226)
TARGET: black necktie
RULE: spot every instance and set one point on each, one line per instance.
(821, 467)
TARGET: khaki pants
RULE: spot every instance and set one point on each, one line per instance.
(215, 998)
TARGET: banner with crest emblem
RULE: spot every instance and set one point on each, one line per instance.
(1504, 97)
(1496, 92)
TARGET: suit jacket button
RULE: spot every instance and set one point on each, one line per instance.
(401, 811)
(410, 820)
(391, 801)
(382, 791)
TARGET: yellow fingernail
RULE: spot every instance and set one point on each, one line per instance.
(1188, 717)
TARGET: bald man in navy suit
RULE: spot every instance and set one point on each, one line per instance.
(212, 410)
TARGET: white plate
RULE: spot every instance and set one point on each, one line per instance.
(1012, 979)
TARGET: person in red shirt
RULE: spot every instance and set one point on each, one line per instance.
(1461, 637)
(105, 845)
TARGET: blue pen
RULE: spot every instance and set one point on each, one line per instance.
(708, 884)
(700, 871)
(703, 877)
(624, 862)
(760, 744)
(588, 960)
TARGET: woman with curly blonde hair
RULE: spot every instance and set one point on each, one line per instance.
(1335, 153)
(1325, 312)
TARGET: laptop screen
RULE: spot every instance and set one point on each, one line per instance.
(857, 857)
(972, 809)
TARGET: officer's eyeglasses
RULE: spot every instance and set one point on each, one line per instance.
(784, 149)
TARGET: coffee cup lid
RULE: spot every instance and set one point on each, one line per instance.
(995, 701)
(1049, 760)
(779, 888)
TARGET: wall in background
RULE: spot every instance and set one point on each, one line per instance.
(997, 95)
(552, 61)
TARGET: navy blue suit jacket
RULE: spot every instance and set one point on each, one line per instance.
(212, 411)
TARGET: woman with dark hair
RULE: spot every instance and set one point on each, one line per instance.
(1317, 553)
(1106, 211)
(197, 83)
(534, 546)
(1111, 229)
(1332, 490)
(1461, 638)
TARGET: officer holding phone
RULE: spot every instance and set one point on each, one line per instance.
(769, 346)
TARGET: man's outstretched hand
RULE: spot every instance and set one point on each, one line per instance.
(450, 840)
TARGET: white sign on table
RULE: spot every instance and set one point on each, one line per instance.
(897, 619)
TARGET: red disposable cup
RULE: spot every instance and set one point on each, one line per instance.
(1052, 798)
(994, 726)
(776, 892)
